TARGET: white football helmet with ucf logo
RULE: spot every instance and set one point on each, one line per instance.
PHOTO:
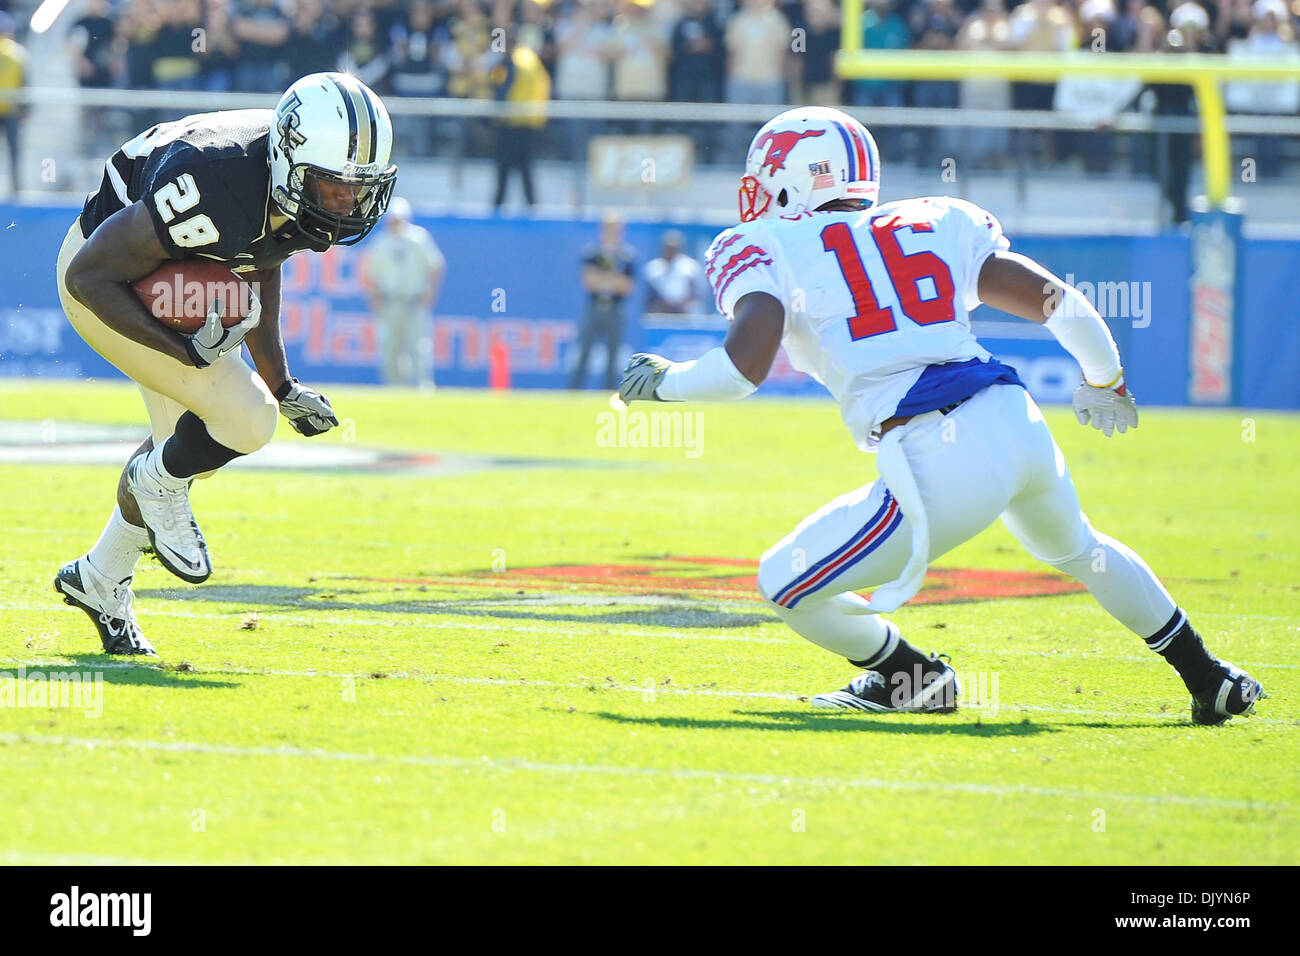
(331, 129)
(804, 158)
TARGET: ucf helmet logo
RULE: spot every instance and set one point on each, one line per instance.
(779, 143)
(287, 124)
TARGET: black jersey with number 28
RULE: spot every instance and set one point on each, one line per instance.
(206, 181)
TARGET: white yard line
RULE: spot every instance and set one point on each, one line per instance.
(508, 765)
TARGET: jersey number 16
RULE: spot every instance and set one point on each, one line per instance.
(906, 272)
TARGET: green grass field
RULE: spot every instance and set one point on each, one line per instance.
(381, 670)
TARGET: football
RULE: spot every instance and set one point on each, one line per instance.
(180, 294)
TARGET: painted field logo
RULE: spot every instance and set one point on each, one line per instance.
(735, 579)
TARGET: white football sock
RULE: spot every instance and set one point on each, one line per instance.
(153, 463)
(119, 547)
(1122, 584)
(839, 625)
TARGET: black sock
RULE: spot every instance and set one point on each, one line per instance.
(896, 656)
(1179, 644)
(191, 450)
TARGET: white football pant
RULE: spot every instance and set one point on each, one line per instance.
(991, 457)
(229, 396)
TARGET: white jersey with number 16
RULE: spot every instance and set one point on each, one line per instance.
(871, 298)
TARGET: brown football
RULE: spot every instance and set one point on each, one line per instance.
(180, 294)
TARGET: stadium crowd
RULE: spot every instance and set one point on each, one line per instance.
(730, 51)
(738, 51)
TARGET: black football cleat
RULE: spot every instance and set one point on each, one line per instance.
(1229, 692)
(108, 605)
(931, 689)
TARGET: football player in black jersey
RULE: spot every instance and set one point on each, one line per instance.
(246, 188)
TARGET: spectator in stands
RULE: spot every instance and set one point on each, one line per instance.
(987, 30)
(1234, 21)
(582, 43)
(665, 14)
(401, 272)
(758, 53)
(639, 54)
(1150, 34)
(934, 24)
(418, 69)
(883, 28)
(468, 54)
(820, 21)
(13, 76)
(674, 280)
(607, 276)
(537, 31)
(1122, 37)
(263, 31)
(315, 38)
(365, 55)
(698, 55)
(1042, 26)
(1193, 26)
(176, 64)
(221, 49)
(520, 80)
(1189, 26)
(758, 44)
(137, 28)
(1109, 96)
(387, 14)
(582, 39)
(90, 45)
(1148, 37)
(1270, 35)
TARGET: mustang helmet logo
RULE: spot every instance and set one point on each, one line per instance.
(779, 143)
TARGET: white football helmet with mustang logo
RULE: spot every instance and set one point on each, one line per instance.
(329, 149)
(804, 158)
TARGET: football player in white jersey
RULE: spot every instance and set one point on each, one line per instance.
(874, 302)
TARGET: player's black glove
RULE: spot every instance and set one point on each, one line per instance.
(308, 410)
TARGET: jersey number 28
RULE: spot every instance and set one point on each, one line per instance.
(182, 195)
(906, 272)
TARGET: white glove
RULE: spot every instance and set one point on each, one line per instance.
(1105, 409)
(213, 340)
(308, 410)
(642, 376)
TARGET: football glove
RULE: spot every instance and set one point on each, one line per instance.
(642, 376)
(308, 410)
(213, 340)
(1105, 409)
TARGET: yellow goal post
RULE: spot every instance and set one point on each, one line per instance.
(1204, 73)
